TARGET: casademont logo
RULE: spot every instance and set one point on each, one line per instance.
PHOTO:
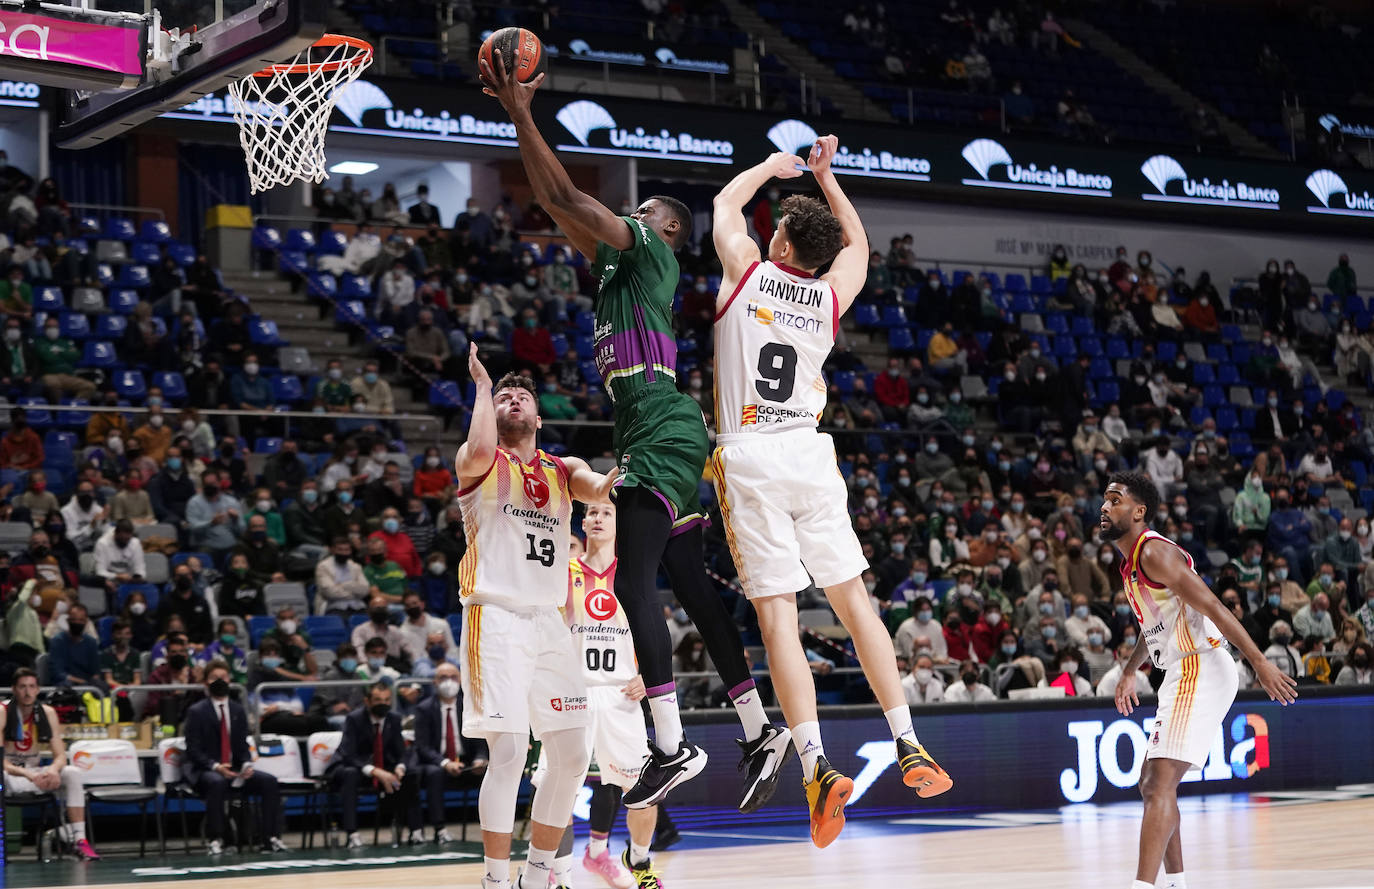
(1174, 186)
(994, 164)
(1335, 197)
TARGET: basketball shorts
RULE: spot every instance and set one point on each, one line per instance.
(1193, 700)
(521, 672)
(785, 508)
(661, 444)
(619, 741)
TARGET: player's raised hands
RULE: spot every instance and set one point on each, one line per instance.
(822, 153)
(1279, 685)
(513, 95)
(480, 378)
(784, 165)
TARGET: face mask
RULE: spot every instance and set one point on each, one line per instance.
(1039, 555)
(288, 627)
(376, 663)
(251, 368)
(965, 589)
(955, 398)
(1325, 580)
(1047, 608)
(219, 688)
(137, 608)
(414, 612)
(13, 335)
(1049, 632)
(379, 711)
(348, 665)
(1004, 562)
(923, 616)
(1009, 650)
(1020, 506)
(176, 661)
(1081, 612)
(904, 481)
(448, 688)
(1070, 667)
(51, 333)
(1273, 600)
(947, 508)
(923, 675)
(1004, 465)
(1345, 535)
(898, 511)
(345, 497)
(923, 398)
(1010, 376)
(1283, 639)
(228, 640)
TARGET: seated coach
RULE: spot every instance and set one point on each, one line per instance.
(442, 754)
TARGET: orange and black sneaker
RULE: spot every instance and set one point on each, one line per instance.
(826, 794)
(919, 771)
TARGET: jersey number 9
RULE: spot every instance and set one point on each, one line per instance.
(778, 369)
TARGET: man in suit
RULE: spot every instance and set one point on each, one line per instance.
(218, 758)
(442, 754)
(1272, 422)
(372, 749)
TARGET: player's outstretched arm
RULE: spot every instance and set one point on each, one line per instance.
(849, 270)
(584, 219)
(734, 247)
(1166, 564)
(587, 485)
(476, 455)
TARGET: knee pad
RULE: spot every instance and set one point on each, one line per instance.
(568, 754)
(501, 783)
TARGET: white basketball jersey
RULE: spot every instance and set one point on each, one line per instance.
(600, 627)
(517, 522)
(1171, 629)
(772, 337)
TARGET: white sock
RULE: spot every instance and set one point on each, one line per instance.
(498, 870)
(538, 866)
(667, 722)
(596, 845)
(751, 716)
(638, 854)
(899, 723)
(75, 831)
(1175, 881)
(806, 737)
(1141, 884)
(562, 871)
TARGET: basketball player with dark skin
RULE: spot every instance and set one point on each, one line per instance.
(1124, 520)
(662, 446)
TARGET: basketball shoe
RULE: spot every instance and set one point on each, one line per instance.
(605, 867)
(643, 872)
(826, 793)
(762, 763)
(661, 773)
(919, 771)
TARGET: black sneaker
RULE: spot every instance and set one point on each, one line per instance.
(763, 758)
(661, 773)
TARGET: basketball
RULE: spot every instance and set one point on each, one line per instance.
(521, 50)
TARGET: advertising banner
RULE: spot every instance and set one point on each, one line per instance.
(996, 171)
(1011, 756)
(633, 52)
(114, 45)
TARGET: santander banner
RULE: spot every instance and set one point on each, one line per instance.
(107, 47)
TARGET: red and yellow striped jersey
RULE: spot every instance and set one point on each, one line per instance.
(1171, 629)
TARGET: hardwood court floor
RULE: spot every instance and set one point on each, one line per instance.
(1291, 841)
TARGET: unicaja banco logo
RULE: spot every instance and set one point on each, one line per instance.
(988, 156)
(359, 97)
(1163, 170)
(1328, 122)
(1335, 197)
(798, 137)
(585, 118)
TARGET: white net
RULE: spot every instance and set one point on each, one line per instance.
(283, 112)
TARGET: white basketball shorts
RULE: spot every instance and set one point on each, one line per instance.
(785, 508)
(618, 739)
(1193, 700)
(520, 672)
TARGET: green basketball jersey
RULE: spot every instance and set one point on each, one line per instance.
(634, 341)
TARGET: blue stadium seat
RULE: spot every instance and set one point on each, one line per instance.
(355, 287)
(75, 326)
(293, 262)
(1241, 447)
(1021, 303)
(1016, 283)
(155, 231)
(1090, 346)
(302, 239)
(49, 299)
(1203, 374)
(264, 333)
(1230, 333)
(265, 445)
(349, 313)
(1228, 375)
(1213, 395)
(150, 591)
(146, 253)
(111, 327)
(1198, 415)
(585, 345)
(1082, 326)
(38, 417)
(118, 228)
(172, 384)
(265, 237)
(258, 625)
(444, 394)
(1108, 391)
(866, 315)
(182, 254)
(1065, 347)
(1101, 369)
(326, 631)
(1039, 284)
(899, 339)
(74, 419)
(844, 381)
(123, 301)
(893, 316)
(99, 353)
(1117, 349)
(287, 388)
(331, 243)
(585, 322)
(135, 276)
(1056, 323)
(104, 274)
(1227, 421)
(1166, 350)
(590, 375)
(131, 385)
(1217, 352)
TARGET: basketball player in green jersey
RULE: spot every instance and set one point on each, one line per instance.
(661, 445)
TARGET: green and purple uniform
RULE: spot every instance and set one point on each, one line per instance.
(660, 436)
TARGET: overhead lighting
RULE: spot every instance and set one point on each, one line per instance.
(353, 168)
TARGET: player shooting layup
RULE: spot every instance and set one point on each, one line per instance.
(1179, 620)
(781, 493)
(661, 444)
(520, 668)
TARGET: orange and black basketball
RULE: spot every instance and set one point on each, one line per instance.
(521, 51)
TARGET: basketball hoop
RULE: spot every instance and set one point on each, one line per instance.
(283, 110)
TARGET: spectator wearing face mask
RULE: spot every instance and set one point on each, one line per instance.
(1046, 642)
(419, 628)
(397, 546)
(119, 557)
(1359, 666)
(911, 587)
(968, 690)
(1281, 652)
(1037, 562)
(1314, 620)
(1064, 672)
(1082, 622)
(340, 584)
(433, 482)
(923, 685)
(1200, 317)
(1106, 686)
(37, 499)
(921, 632)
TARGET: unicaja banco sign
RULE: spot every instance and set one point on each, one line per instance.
(798, 137)
(1335, 196)
(1163, 171)
(586, 120)
(994, 164)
